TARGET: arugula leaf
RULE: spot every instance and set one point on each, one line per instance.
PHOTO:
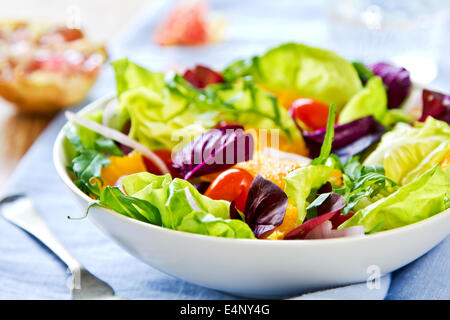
(108, 146)
(325, 150)
(113, 198)
(88, 164)
(311, 210)
(363, 184)
(243, 101)
(363, 72)
(238, 69)
(88, 157)
(413, 202)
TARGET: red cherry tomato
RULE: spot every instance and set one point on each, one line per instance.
(313, 114)
(232, 184)
(166, 157)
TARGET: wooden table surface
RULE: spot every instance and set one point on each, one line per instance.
(19, 131)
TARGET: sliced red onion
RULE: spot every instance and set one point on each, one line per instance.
(334, 204)
(119, 184)
(119, 137)
(275, 153)
(325, 231)
(109, 111)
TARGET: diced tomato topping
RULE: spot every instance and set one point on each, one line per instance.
(313, 114)
(231, 185)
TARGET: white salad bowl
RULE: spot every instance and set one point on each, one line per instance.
(260, 268)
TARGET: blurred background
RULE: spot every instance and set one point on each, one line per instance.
(413, 34)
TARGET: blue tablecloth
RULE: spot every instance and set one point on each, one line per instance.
(29, 271)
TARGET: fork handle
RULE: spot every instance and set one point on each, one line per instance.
(26, 217)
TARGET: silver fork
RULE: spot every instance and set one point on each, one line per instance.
(19, 210)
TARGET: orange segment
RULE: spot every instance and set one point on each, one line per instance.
(273, 169)
(275, 139)
(121, 166)
(336, 177)
(446, 161)
(285, 97)
(289, 223)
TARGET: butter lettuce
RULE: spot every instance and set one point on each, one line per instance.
(168, 113)
(424, 197)
(300, 183)
(130, 76)
(309, 72)
(394, 116)
(407, 151)
(183, 208)
(160, 118)
(370, 101)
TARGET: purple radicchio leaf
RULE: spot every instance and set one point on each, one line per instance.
(436, 105)
(213, 151)
(265, 207)
(234, 213)
(330, 207)
(349, 138)
(202, 186)
(396, 80)
(325, 188)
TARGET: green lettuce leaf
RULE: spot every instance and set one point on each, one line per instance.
(372, 100)
(301, 182)
(310, 72)
(394, 116)
(183, 208)
(408, 151)
(248, 104)
(168, 114)
(162, 122)
(424, 197)
(131, 76)
(161, 118)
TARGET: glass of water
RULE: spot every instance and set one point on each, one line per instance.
(407, 33)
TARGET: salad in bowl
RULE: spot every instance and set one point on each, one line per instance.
(295, 144)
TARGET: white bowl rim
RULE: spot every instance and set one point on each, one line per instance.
(61, 170)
